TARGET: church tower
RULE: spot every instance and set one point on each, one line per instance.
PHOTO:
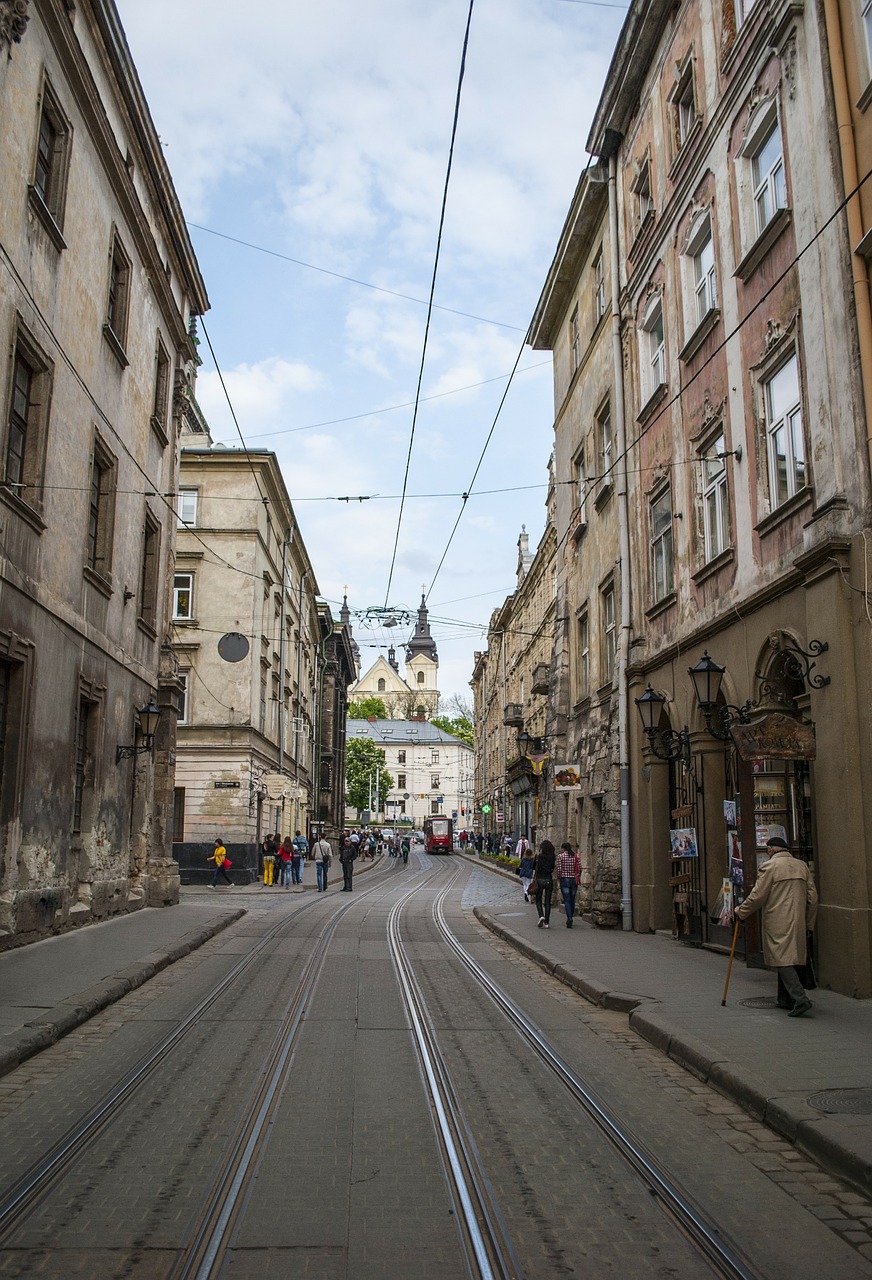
(422, 666)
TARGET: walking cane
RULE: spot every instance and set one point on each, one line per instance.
(730, 965)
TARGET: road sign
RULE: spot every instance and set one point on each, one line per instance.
(499, 817)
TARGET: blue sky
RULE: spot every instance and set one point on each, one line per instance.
(321, 133)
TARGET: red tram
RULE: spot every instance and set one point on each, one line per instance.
(438, 835)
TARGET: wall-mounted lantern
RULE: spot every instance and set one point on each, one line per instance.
(147, 718)
(667, 744)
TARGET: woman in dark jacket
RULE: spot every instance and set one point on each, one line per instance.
(545, 860)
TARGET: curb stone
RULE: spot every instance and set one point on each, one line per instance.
(42, 1032)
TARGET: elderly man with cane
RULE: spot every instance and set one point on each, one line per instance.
(785, 894)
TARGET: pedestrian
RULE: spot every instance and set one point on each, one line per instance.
(568, 874)
(323, 855)
(526, 865)
(347, 858)
(301, 852)
(784, 893)
(222, 863)
(284, 862)
(544, 874)
(479, 842)
(268, 849)
(271, 858)
(405, 846)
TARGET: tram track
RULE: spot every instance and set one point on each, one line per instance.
(722, 1256)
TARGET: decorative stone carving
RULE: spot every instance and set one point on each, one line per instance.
(773, 334)
(788, 64)
(13, 21)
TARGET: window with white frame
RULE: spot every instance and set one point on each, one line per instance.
(183, 596)
(608, 631)
(767, 177)
(184, 695)
(434, 757)
(661, 545)
(581, 486)
(786, 444)
(643, 194)
(866, 12)
(685, 108)
(583, 654)
(653, 349)
(703, 268)
(599, 293)
(605, 443)
(575, 340)
(743, 8)
(715, 499)
(187, 508)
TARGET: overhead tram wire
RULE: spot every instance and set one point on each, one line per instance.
(365, 284)
(432, 293)
(263, 497)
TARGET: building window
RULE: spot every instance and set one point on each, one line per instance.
(642, 192)
(604, 442)
(83, 777)
(867, 27)
(178, 814)
(101, 503)
(420, 677)
(787, 470)
(574, 340)
(150, 571)
(118, 301)
(434, 757)
(183, 597)
(434, 806)
(581, 486)
(401, 781)
(160, 409)
(381, 686)
(704, 285)
(434, 781)
(661, 545)
(683, 107)
(599, 288)
(187, 508)
(51, 162)
(583, 654)
(608, 631)
(715, 499)
(184, 695)
(743, 8)
(653, 350)
(401, 757)
(767, 176)
(27, 425)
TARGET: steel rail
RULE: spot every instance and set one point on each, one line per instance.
(722, 1255)
(483, 1232)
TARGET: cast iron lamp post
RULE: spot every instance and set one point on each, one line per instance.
(147, 718)
(667, 744)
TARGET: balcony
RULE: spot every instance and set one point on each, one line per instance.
(540, 678)
(514, 715)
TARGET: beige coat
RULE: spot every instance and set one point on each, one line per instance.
(786, 895)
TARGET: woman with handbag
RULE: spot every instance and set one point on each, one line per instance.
(222, 862)
(543, 882)
(569, 874)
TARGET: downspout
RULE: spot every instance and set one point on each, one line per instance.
(623, 554)
(859, 269)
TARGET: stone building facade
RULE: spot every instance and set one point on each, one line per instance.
(510, 684)
(431, 769)
(415, 696)
(246, 732)
(739, 343)
(99, 290)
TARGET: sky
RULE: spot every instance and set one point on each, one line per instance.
(319, 135)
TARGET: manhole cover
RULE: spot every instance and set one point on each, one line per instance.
(845, 1102)
(760, 1002)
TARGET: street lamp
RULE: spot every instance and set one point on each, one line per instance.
(667, 744)
(147, 718)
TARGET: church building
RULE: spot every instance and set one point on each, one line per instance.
(414, 697)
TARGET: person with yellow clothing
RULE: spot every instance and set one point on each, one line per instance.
(222, 862)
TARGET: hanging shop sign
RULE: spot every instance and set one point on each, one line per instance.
(567, 777)
(775, 737)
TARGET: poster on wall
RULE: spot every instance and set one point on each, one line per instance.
(730, 813)
(567, 777)
(734, 859)
(726, 911)
(682, 841)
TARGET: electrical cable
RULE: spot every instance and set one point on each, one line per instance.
(454, 124)
(263, 496)
(337, 275)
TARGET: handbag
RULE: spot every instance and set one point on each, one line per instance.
(533, 887)
(226, 863)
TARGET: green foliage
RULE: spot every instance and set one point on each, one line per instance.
(460, 728)
(366, 708)
(363, 759)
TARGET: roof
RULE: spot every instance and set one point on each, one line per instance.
(402, 733)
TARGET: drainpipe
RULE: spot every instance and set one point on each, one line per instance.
(623, 554)
(859, 269)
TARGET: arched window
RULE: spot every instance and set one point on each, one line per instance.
(420, 677)
(381, 685)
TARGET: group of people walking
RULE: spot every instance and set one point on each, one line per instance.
(538, 871)
(283, 859)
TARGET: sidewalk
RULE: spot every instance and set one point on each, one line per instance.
(809, 1079)
(49, 988)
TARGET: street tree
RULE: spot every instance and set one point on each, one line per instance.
(460, 727)
(365, 765)
(367, 709)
